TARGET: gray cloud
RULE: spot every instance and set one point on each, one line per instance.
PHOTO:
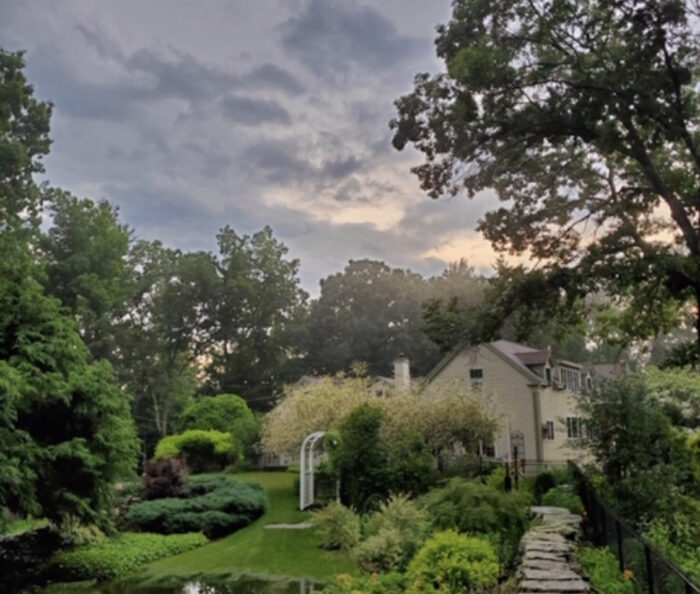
(329, 37)
(272, 76)
(253, 112)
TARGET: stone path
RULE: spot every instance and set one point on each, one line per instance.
(547, 565)
(297, 526)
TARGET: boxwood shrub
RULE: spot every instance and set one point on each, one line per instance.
(228, 506)
(120, 556)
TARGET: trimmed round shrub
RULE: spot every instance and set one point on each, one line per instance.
(452, 562)
(227, 413)
(220, 511)
(120, 556)
(338, 526)
(563, 496)
(202, 450)
(381, 552)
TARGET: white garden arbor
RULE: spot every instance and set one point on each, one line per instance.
(306, 470)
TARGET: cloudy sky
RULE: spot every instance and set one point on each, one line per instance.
(193, 115)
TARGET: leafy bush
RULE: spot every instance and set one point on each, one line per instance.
(371, 468)
(452, 562)
(338, 526)
(227, 413)
(396, 531)
(386, 583)
(217, 512)
(199, 484)
(164, 478)
(543, 482)
(563, 496)
(469, 506)
(120, 556)
(604, 571)
(203, 450)
(381, 552)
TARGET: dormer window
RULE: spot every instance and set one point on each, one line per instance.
(548, 375)
(571, 379)
(476, 376)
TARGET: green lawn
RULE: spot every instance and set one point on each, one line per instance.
(256, 551)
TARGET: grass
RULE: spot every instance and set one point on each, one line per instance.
(258, 552)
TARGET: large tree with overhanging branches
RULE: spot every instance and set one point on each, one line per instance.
(582, 116)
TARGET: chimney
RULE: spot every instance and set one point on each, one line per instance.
(402, 374)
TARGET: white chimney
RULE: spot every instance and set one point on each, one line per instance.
(402, 374)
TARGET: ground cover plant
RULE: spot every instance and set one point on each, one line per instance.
(563, 496)
(120, 556)
(213, 506)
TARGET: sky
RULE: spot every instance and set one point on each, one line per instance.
(190, 116)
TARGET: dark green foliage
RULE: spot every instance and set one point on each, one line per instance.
(219, 511)
(370, 468)
(577, 144)
(202, 450)
(163, 478)
(199, 484)
(121, 556)
(603, 569)
(543, 482)
(371, 313)
(469, 506)
(24, 557)
(563, 496)
(637, 449)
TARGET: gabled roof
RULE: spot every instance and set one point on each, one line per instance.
(510, 352)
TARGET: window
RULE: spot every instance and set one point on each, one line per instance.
(574, 427)
(571, 379)
(476, 375)
(548, 430)
(589, 383)
(488, 450)
(548, 374)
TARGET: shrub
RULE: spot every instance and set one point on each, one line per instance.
(604, 571)
(199, 484)
(203, 450)
(120, 556)
(216, 512)
(452, 562)
(227, 413)
(543, 482)
(338, 526)
(387, 583)
(678, 536)
(402, 514)
(562, 496)
(469, 506)
(164, 478)
(381, 552)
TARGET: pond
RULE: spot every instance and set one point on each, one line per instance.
(198, 585)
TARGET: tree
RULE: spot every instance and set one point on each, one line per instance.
(65, 430)
(636, 448)
(86, 251)
(255, 310)
(371, 313)
(582, 116)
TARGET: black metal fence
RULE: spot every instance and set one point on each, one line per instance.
(652, 573)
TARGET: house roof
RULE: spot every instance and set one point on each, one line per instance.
(512, 352)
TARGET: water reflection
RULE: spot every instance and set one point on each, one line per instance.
(199, 585)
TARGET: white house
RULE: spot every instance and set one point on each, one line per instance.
(532, 393)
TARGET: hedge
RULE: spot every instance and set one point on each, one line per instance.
(121, 556)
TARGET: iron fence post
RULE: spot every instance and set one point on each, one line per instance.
(620, 550)
(650, 570)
